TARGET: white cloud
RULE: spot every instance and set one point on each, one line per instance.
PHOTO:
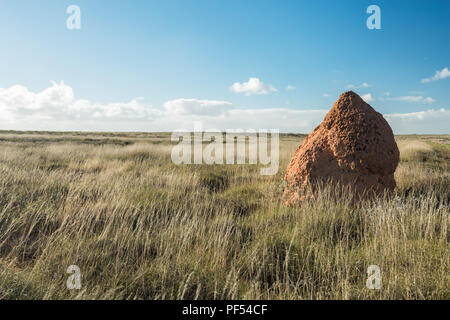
(428, 100)
(439, 75)
(253, 86)
(326, 95)
(17, 100)
(415, 99)
(367, 97)
(56, 108)
(196, 107)
(362, 85)
(290, 88)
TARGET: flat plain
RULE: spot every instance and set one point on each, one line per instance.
(141, 227)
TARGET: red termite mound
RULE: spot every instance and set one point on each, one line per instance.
(353, 145)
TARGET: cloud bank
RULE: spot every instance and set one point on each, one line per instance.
(56, 108)
(429, 122)
(58, 103)
(416, 99)
(196, 107)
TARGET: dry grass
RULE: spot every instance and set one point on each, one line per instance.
(414, 150)
(140, 227)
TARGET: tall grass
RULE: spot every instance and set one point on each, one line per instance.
(140, 227)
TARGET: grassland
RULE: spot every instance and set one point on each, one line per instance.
(141, 227)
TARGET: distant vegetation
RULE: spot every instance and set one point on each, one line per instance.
(141, 227)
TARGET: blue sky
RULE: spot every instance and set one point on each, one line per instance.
(182, 58)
